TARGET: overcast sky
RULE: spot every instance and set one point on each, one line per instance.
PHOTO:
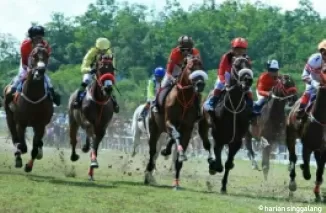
(16, 15)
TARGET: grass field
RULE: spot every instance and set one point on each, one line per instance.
(58, 185)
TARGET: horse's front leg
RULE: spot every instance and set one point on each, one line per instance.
(21, 147)
(320, 159)
(95, 142)
(290, 138)
(184, 142)
(229, 164)
(176, 137)
(305, 167)
(250, 152)
(73, 131)
(37, 151)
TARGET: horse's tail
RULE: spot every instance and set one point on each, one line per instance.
(135, 116)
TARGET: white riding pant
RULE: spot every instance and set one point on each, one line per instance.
(260, 99)
(87, 78)
(22, 72)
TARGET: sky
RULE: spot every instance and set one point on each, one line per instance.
(16, 15)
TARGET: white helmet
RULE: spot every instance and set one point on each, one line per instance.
(273, 64)
(103, 43)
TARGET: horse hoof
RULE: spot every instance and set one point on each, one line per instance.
(182, 158)
(176, 188)
(74, 157)
(212, 172)
(18, 162)
(165, 152)
(39, 154)
(85, 149)
(318, 199)
(28, 168)
(223, 191)
(292, 186)
(91, 178)
(94, 165)
(306, 175)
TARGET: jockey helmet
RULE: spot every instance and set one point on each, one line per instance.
(186, 42)
(239, 43)
(272, 66)
(322, 45)
(103, 43)
(36, 31)
(159, 72)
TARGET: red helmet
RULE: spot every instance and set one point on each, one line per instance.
(239, 43)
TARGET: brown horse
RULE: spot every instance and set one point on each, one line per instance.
(95, 114)
(32, 107)
(269, 127)
(177, 115)
(230, 119)
(311, 130)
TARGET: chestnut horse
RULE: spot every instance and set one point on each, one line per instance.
(230, 119)
(95, 114)
(269, 127)
(177, 115)
(33, 107)
(312, 132)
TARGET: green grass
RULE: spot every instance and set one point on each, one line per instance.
(58, 185)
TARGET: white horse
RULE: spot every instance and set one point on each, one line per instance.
(140, 127)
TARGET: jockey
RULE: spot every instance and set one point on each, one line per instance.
(310, 76)
(102, 47)
(35, 36)
(266, 81)
(153, 86)
(176, 59)
(238, 48)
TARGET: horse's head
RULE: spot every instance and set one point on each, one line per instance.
(193, 74)
(285, 89)
(106, 82)
(105, 65)
(38, 60)
(241, 73)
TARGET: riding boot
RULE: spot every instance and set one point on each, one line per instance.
(115, 104)
(55, 97)
(198, 104)
(154, 105)
(10, 95)
(145, 110)
(78, 101)
(212, 101)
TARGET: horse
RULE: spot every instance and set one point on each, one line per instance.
(33, 107)
(311, 130)
(269, 128)
(94, 115)
(229, 121)
(176, 116)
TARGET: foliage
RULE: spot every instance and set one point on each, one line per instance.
(142, 39)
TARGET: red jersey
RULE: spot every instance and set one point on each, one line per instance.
(265, 83)
(26, 49)
(176, 58)
(225, 66)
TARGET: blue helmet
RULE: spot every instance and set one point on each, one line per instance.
(159, 72)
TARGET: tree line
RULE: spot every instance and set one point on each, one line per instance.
(142, 39)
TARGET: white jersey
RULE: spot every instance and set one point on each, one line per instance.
(313, 68)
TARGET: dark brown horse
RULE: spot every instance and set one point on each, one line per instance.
(230, 119)
(269, 127)
(312, 132)
(95, 114)
(32, 107)
(177, 115)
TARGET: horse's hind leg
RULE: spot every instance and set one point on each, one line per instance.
(229, 164)
(87, 146)
(93, 155)
(265, 160)
(37, 145)
(320, 159)
(250, 152)
(73, 130)
(135, 138)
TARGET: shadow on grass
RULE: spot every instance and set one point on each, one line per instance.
(239, 195)
(59, 181)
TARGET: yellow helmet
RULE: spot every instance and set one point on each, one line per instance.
(103, 43)
(322, 45)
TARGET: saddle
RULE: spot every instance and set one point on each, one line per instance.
(161, 97)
